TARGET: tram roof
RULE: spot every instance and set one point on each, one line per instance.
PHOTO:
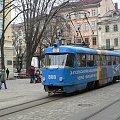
(76, 49)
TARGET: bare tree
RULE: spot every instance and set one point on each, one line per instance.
(6, 10)
(37, 14)
(19, 45)
(57, 28)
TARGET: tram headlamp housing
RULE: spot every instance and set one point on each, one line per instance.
(60, 79)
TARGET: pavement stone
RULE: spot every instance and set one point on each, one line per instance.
(20, 91)
(75, 107)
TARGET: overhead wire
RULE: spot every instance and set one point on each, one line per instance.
(85, 18)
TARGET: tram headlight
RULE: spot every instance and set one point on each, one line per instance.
(60, 79)
(43, 78)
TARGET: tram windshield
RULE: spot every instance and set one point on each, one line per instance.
(59, 60)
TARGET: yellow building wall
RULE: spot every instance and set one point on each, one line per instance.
(8, 48)
(8, 32)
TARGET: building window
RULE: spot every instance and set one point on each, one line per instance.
(79, 15)
(86, 27)
(76, 14)
(78, 41)
(1, 27)
(115, 28)
(93, 25)
(93, 12)
(9, 62)
(116, 42)
(1, 5)
(1, 22)
(94, 40)
(107, 43)
(107, 29)
(78, 27)
(86, 40)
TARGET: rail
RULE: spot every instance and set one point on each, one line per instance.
(24, 106)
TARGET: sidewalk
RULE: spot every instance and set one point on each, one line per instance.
(20, 91)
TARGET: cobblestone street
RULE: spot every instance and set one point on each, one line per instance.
(20, 91)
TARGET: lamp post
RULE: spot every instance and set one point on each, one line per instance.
(61, 39)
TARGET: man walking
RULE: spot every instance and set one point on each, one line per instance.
(7, 72)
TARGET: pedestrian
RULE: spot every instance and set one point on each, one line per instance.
(37, 76)
(2, 79)
(7, 72)
(32, 74)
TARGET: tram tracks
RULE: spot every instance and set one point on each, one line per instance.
(24, 106)
(104, 110)
(42, 101)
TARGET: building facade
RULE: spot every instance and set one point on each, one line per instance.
(83, 16)
(109, 30)
(8, 48)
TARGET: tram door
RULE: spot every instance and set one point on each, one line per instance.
(102, 70)
(99, 69)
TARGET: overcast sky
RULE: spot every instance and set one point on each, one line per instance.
(114, 1)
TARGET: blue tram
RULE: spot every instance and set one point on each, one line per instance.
(72, 68)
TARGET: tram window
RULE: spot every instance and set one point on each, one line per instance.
(90, 60)
(114, 60)
(47, 60)
(117, 60)
(82, 60)
(108, 58)
(70, 60)
(55, 60)
(103, 60)
(96, 60)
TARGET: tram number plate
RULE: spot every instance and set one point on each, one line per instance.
(51, 76)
